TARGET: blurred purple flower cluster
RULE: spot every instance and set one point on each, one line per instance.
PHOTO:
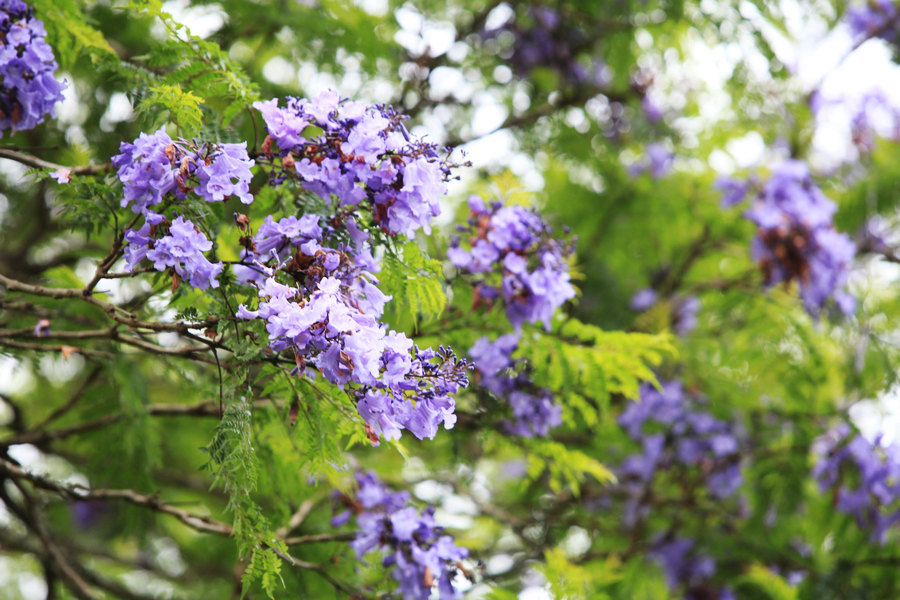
(874, 115)
(515, 244)
(329, 317)
(684, 309)
(672, 432)
(421, 555)
(863, 476)
(685, 567)
(874, 18)
(796, 239)
(658, 161)
(28, 90)
(534, 409)
(357, 153)
(544, 37)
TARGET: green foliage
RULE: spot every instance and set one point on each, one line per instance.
(235, 469)
(414, 281)
(568, 580)
(265, 567)
(565, 466)
(587, 365)
(181, 107)
(69, 32)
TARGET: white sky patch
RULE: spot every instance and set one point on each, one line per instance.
(119, 109)
(279, 71)
(420, 36)
(202, 21)
(15, 376)
(498, 16)
(880, 416)
(376, 8)
(71, 110)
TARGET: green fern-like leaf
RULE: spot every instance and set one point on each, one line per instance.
(585, 364)
(182, 107)
(567, 467)
(415, 282)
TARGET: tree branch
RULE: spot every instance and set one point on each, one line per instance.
(78, 492)
(39, 163)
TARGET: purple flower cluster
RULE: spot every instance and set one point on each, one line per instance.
(545, 38)
(154, 166)
(874, 18)
(181, 249)
(874, 116)
(658, 162)
(864, 477)
(516, 244)
(680, 436)
(796, 239)
(274, 242)
(357, 153)
(422, 556)
(733, 190)
(684, 309)
(684, 566)
(329, 317)
(534, 409)
(28, 90)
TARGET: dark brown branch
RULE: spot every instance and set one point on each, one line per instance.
(55, 348)
(73, 399)
(37, 438)
(39, 163)
(319, 537)
(56, 559)
(527, 118)
(117, 313)
(321, 570)
(78, 492)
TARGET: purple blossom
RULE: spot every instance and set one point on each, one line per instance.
(674, 433)
(796, 240)
(42, 328)
(733, 190)
(28, 90)
(147, 169)
(421, 555)
(329, 318)
(181, 249)
(687, 568)
(651, 109)
(515, 242)
(684, 309)
(154, 166)
(224, 172)
(643, 299)
(62, 175)
(874, 18)
(864, 476)
(544, 38)
(657, 160)
(534, 409)
(684, 316)
(363, 156)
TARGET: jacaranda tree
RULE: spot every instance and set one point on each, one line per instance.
(442, 299)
